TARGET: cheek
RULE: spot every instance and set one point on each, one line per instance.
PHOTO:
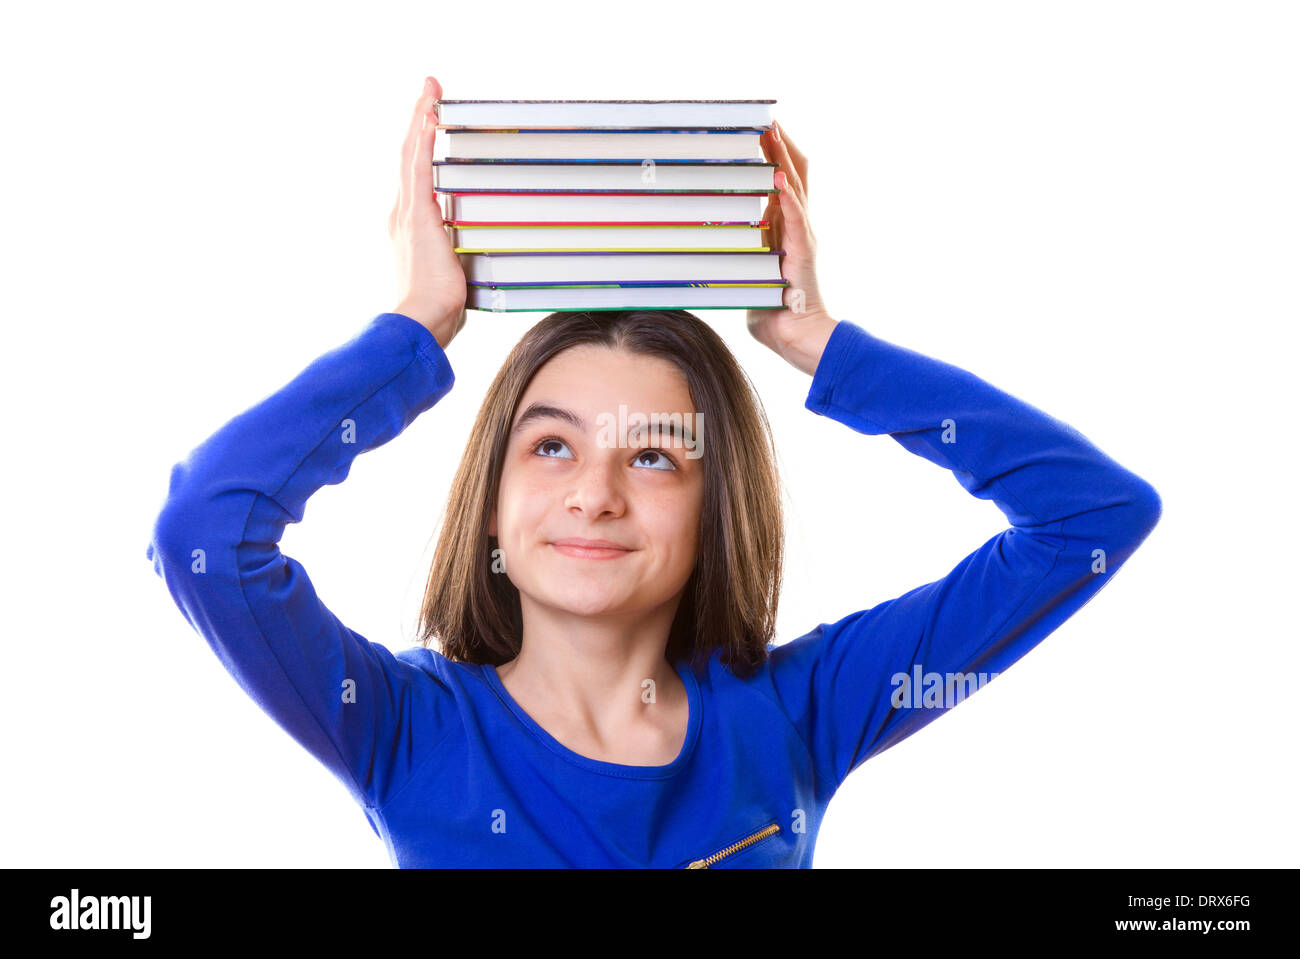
(677, 520)
(521, 505)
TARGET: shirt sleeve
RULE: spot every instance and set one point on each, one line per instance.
(366, 715)
(857, 686)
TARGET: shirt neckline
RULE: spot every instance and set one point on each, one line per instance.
(619, 770)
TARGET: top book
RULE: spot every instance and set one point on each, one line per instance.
(606, 114)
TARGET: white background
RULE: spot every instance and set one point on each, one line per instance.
(1090, 205)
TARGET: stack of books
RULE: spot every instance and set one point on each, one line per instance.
(609, 204)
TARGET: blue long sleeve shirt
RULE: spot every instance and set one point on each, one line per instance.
(450, 771)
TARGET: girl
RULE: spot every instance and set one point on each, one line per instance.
(607, 691)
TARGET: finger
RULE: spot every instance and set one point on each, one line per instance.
(416, 127)
(773, 209)
(794, 220)
(773, 218)
(800, 161)
(421, 173)
(771, 212)
(788, 165)
(771, 152)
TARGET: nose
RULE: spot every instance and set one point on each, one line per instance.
(596, 488)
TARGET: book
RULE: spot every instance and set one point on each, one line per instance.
(582, 175)
(603, 144)
(604, 114)
(502, 207)
(575, 237)
(534, 268)
(625, 296)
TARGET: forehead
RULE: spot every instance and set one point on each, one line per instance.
(592, 379)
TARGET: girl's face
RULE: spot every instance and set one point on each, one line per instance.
(575, 469)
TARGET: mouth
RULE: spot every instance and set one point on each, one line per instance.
(590, 548)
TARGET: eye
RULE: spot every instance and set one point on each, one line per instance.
(551, 441)
(658, 459)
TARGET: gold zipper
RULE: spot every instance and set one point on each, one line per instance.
(736, 847)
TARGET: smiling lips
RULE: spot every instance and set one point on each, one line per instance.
(590, 548)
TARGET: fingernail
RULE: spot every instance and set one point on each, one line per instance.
(428, 86)
(780, 179)
(776, 129)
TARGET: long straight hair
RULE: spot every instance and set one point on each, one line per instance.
(472, 610)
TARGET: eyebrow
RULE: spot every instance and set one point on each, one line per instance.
(542, 411)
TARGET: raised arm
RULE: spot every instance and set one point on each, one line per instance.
(365, 715)
(369, 717)
(858, 686)
(1076, 516)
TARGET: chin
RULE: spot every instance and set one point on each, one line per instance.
(588, 602)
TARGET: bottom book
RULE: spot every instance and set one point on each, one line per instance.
(501, 298)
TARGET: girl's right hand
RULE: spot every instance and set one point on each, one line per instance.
(429, 274)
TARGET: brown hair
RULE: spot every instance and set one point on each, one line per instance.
(729, 603)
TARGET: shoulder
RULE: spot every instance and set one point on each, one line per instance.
(450, 674)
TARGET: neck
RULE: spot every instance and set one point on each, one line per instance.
(592, 670)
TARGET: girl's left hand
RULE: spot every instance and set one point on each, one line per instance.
(797, 334)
